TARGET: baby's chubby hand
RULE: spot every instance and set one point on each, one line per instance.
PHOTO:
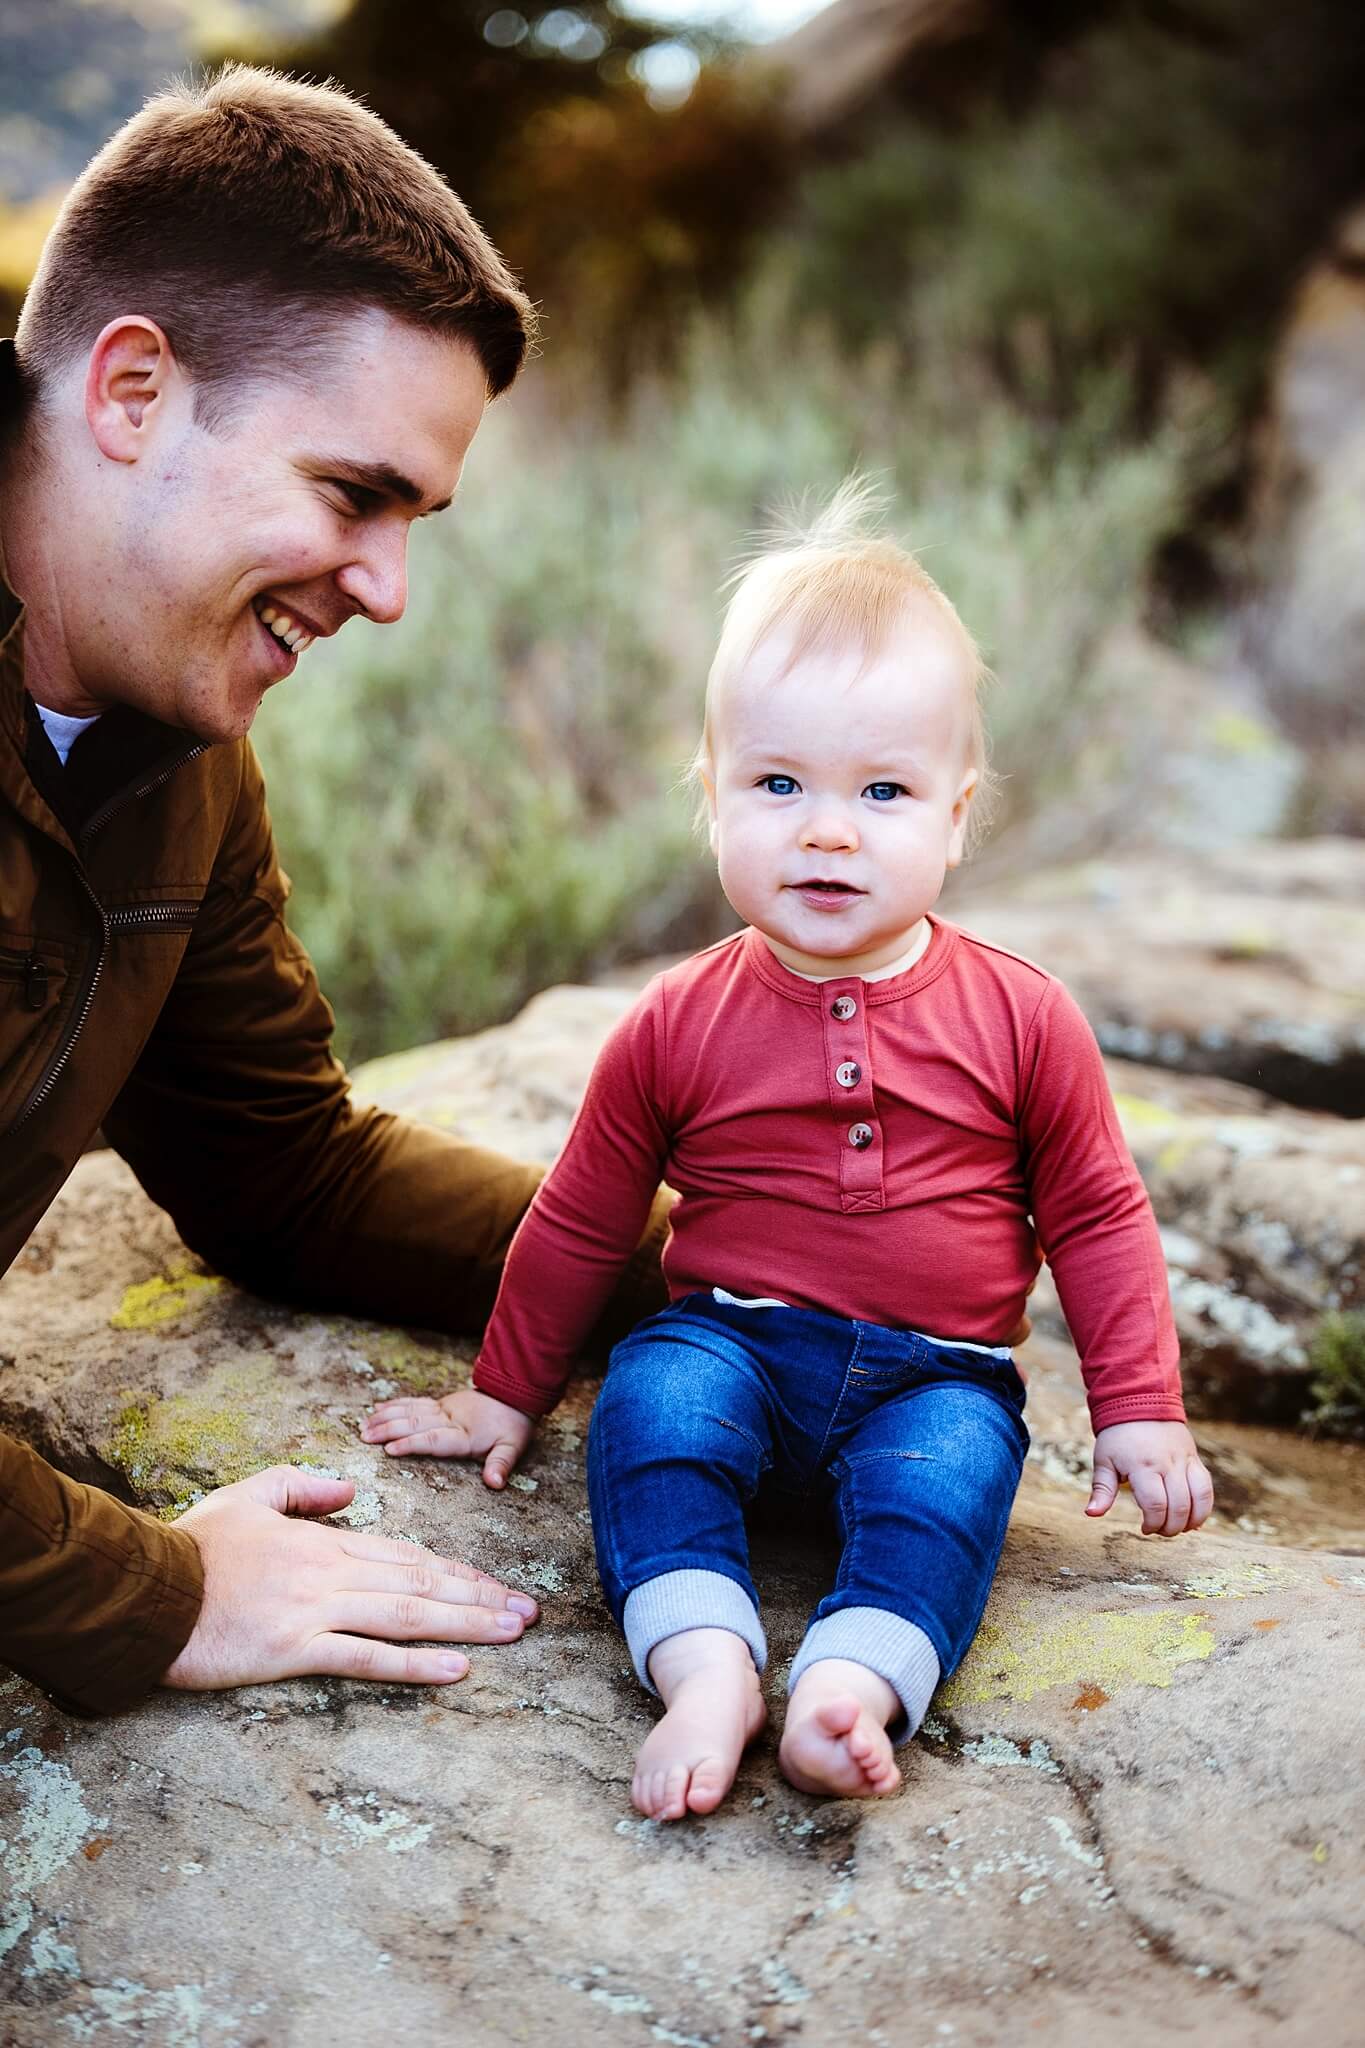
(1162, 1465)
(464, 1424)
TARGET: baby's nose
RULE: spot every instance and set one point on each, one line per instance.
(830, 828)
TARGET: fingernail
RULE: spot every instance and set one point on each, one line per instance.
(455, 1667)
(519, 1604)
(509, 1624)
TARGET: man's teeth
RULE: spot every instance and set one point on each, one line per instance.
(294, 636)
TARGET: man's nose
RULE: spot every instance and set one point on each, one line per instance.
(829, 828)
(377, 580)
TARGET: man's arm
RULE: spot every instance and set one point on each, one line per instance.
(100, 1602)
(239, 1121)
(97, 1599)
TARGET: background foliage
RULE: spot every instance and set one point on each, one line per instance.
(1033, 279)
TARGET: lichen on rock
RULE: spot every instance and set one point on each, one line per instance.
(173, 1450)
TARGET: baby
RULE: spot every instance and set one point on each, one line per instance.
(876, 1124)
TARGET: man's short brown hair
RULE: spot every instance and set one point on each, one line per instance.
(245, 213)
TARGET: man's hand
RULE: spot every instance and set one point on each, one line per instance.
(283, 1599)
(1169, 1480)
(465, 1424)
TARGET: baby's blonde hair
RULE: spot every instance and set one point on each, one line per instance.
(829, 580)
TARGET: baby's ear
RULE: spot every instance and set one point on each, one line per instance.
(706, 776)
(962, 804)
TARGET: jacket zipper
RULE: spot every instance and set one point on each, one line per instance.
(134, 918)
(28, 968)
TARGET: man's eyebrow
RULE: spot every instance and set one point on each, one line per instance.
(377, 476)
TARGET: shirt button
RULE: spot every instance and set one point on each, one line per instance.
(843, 1007)
(849, 1074)
(860, 1136)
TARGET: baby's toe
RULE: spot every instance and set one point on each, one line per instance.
(672, 1803)
(710, 1783)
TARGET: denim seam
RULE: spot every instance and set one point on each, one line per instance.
(765, 1459)
(853, 1357)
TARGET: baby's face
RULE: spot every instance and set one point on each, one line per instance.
(840, 800)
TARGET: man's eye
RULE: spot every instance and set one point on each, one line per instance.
(356, 495)
(885, 792)
(780, 785)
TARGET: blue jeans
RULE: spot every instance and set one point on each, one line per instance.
(916, 1443)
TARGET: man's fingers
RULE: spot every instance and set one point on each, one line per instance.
(1103, 1489)
(449, 1441)
(341, 1656)
(404, 1617)
(430, 1582)
(293, 1492)
(392, 1550)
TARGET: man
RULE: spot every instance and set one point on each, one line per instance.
(258, 346)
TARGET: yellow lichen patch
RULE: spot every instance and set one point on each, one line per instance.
(1238, 1581)
(420, 1368)
(1027, 1655)
(1172, 1157)
(174, 1450)
(1248, 942)
(164, 1299)
(1237, 732)
(1134, 1111)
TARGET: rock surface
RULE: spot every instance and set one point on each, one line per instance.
(1249, 964)
(1138, 1802)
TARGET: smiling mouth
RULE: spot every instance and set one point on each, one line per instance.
(291, 633)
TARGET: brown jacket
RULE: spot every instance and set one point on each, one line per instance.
(149, 985)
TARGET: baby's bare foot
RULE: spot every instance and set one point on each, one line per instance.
(835, 1740)
(715, 1708)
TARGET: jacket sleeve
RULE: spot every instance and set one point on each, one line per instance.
(238, 1119)
(96, 1599)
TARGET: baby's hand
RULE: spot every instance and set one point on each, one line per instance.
(1169, 1480)
(464, 1424)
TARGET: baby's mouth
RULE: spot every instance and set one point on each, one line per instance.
(289, 631)
(826, 888)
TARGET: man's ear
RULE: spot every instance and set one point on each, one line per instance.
(962, 804)
(128, 381)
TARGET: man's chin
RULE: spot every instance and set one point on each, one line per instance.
(217, 725)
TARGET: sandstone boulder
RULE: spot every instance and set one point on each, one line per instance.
(1136, 1803)
(1249, 964)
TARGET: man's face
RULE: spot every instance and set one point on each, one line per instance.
(232, 550)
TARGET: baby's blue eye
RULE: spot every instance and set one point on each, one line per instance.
(780, 785)
(884, 792)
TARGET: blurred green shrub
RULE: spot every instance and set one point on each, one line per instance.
(1337, 1356)
(1137, 182)
(484, 799)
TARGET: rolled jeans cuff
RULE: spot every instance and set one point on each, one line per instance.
(887, 1644)
(688, 1599)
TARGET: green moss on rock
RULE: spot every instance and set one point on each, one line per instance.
(173, 1450)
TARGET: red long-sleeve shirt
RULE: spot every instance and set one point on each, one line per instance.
(900, 1152)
